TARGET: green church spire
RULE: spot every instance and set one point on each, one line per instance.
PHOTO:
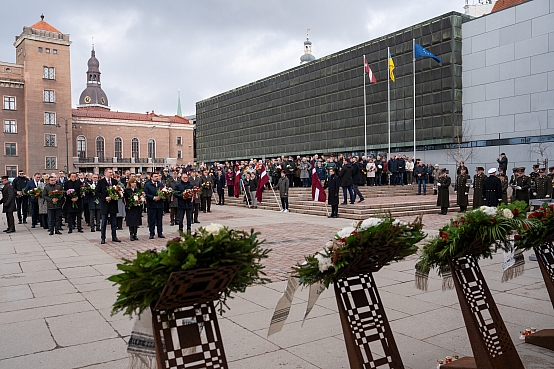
(179, 112)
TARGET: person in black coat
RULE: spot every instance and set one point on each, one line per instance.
(492, 189)
(155, 205)
(502, 163)
(333, 185)
(108, 207)
(93, 205)
(346, 181)
(31, 185)
(8, 202)
(133, 214)
(443, 184)
(219, 183)
(184, 206)
(393, 168)
(356, 179)
(401, 166)
(73, 205)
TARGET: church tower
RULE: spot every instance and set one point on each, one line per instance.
(93, 95)
(307, 57)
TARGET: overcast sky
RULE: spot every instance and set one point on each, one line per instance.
(150, 49)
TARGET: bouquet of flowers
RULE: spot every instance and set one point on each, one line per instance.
(88, 188)
(142, 279)
(56, 194)
(164, 193)
(23, 193)
(72, 194)
(191, 193)
(350, 242)
(115, 192)
(207, 185)
(138, 199)
(35, 193)
(541, 231)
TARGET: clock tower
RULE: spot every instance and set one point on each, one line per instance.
(93, 95)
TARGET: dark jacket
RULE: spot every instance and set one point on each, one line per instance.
(92, 198)
(8, 199)
(133, 215)
(207, 192)
(106, 207)
(345, 175)
(333, 184)
(492, 191)
(420, 172)
(219, 183)
(393, 165)
(462, 189)
(321, 173)
(503, 163)
(69, 207)
(197, 182)
(443, 199)
(355, 173)
(253, 183)
(31, 186)
(478, 190)
(283, 186)
(180, 187)
(19, 183)
(150, 191)
(401, 165)
(49, 203)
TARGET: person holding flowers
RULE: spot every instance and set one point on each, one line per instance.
(89, 190)
(134, 199)
(53, 193)
(73, 203)
(185, 194)
(155, 205)
(207, 186)
(34, 194)
(108, 193)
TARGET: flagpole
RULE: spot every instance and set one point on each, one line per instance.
(388, 94)
(274, 194)
(413, 63)
(365, 116)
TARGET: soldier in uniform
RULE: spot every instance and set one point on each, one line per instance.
(504, 181)
(443, 184)
(478, 187)
(462, 189)
(544, 185)
(512, 183)
(492, 189)
(551, 176)
(522, 186)
(533, 176)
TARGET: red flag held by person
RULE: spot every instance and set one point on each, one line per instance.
(370, 74)
(264, 179)
(237, 181)
(318, 194)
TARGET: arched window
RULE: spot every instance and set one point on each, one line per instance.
(100, 147)
(118, 148)
(151, 148)
(135, 148)
(81, 147)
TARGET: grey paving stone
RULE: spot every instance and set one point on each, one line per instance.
(26, 278)
(44, 312)
(328, 352)
(107, 269)
(15, 293)
(78, 328)
(430, 323)
(278, 359)
(23, 338)
(408, 305)
(262, 295)
(80, 261)
(61, 254)
(101, 299)
(40, 301)
(94, 286)
(241, 343)
(52, 288)
(36, 266)
(79, 272)
(240, 306)
(116, 364)
(122, 326)
(10, 268)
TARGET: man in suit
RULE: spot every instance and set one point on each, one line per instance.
(195, 181)
(94, 206)
(22, 200)
(207, 192)
(82, 181)
(31, 185)
(108, 206)
(8, 200)
(54, 205)
(155, 205)
(220, 186)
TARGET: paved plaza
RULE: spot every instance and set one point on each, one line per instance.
(55, 301)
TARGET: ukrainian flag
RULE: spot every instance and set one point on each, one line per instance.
(391, 67)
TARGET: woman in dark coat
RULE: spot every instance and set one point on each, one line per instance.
(443, 184)
(333, 184)
(133, 216)
(184, 206)
(73, 203)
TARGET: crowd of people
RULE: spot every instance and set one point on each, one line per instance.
(54, 199)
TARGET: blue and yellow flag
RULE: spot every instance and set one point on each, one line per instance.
(391, 68)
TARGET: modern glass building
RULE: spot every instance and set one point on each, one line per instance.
(319, 107)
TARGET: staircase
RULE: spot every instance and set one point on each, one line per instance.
(399, 201)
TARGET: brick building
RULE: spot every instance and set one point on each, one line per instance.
(36, 100)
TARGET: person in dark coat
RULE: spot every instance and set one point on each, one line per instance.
(219, 182)
(521, 185)
(133, 215)
(31, 185)
(502, 163)
(356, 179)
(492, 189)
(155, 205)
(230, 182)
(544, 185)
(108, 207)
(94, 205)
(401, 166)
(8, 202)
(443, 198)
(504, 181)
(184, 206)
(393, 168)
(195, 181)
(22, 200)
(170, 182)
(54, 205)
(73, 205)
(206, 179)
(333, 185)
(478, 187)
(283, 187)
(346, 181)
(420, 173)
(462, 189)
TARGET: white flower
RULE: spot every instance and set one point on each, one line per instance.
(329, 244)
(345, 232)
(490, 211)
(482, 208)
(213, 228)
(93, 186)
(355, 223)
(323, 262)
(380, 166)
(507, 213)
(370, 222)
(135, 197)
(398, 222)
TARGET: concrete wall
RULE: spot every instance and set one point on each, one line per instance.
(508, 80)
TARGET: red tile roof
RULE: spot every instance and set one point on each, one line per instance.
(42, 25)
(503, 4)
(93, 112)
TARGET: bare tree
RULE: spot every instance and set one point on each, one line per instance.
(541, 148)
(461, 150)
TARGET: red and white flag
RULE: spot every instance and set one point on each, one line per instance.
(370, 74)
(264, 179)
(318, 194)
(237, 181)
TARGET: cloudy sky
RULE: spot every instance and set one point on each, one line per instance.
(150, 49)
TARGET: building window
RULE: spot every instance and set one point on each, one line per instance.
(47, 51)
(50, 140)
(118, 148)
(10, 126)
(11, 149)
(8, 70)
(179, 140)
(49, 118)
(9, 103)
(179, 154)
(48, 73)
(100, 147)
(151, 148)
(55, 51)
(39, 49)
(49, 96)
(51, 162)
(11, 171)
(81, 147)
(135, 148)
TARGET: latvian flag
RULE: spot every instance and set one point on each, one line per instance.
(318, 194)
(264, 179)
(370, 74)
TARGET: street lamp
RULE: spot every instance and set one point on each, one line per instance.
(66, 141)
